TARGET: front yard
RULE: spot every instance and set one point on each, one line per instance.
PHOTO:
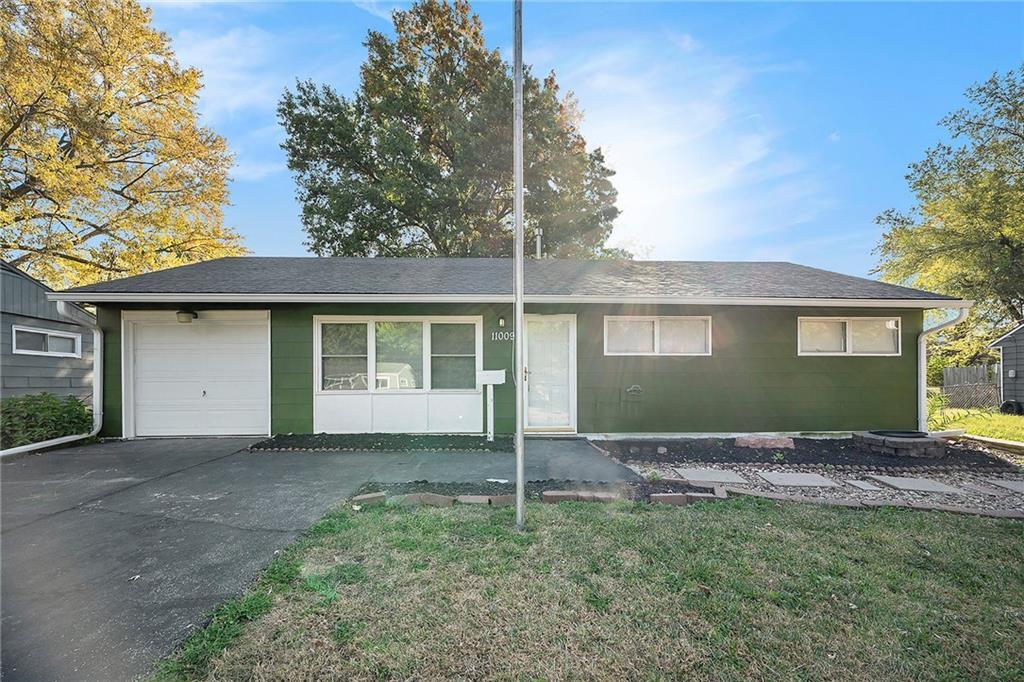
(737, 589)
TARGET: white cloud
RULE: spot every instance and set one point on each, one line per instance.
(237, 66)
(377, 8)
(700, 169)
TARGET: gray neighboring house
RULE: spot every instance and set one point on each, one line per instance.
(45, 346)
(1012, 366)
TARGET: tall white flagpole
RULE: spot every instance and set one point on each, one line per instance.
(517, 207)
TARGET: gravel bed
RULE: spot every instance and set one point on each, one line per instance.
(841, 453)
(1004, 500)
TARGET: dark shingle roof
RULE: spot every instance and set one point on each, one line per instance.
(493, 277)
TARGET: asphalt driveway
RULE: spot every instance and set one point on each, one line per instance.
(111, 553)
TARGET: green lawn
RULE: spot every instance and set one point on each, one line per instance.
(730, 590)
(982, 423)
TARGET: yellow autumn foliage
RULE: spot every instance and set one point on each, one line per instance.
(105, 169)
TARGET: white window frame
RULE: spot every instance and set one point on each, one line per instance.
(77, 338)
(371, 348)
(849, 352)
(657, 333)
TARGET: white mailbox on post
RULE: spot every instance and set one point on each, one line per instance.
(488, 378)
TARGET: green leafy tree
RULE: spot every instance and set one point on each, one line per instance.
(419, 160)
(965, 236)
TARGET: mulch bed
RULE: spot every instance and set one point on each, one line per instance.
(382, 442)
(807, 451)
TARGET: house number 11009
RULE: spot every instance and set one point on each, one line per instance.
(504, 335)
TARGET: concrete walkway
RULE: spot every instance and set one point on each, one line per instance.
(113, 552)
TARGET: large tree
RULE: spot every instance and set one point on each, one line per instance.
(104, 171)
(965, 236)
(419, 160)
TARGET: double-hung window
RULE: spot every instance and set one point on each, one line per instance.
(635, 335)
(398, 354)
(848, 336)
(33, 341)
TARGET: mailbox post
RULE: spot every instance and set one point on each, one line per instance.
(490, 378)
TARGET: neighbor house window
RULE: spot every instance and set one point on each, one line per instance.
(344, 357)
(32, 341)
(399, 354)
(657, 335)
(848, 336)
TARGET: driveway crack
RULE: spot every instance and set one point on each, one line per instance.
(164, 517)
(111, 493)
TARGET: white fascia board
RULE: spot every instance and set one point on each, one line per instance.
(759, 301)
(276, 298)
(503, 298)
(997, 342)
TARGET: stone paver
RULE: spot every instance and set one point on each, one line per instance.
(984, 489)
(370, 499)
(710, 476)
(473, 499)
(924, 485)
(863, 485)
(797, 480)
(1015, 486)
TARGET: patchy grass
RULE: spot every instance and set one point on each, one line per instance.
(730, 590)
(987, 423)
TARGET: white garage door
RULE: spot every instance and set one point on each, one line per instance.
(210, 377)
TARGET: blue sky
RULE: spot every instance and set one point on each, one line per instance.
(737, 131)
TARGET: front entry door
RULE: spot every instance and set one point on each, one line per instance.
(551, 372)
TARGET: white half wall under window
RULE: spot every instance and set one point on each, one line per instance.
(853, 336)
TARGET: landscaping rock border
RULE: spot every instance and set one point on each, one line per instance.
(679, 499)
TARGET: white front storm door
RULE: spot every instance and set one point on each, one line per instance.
(551, 373)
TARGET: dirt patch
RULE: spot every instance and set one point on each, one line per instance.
(381, 442)
(807, 451)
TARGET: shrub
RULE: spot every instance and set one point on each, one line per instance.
(27, 419)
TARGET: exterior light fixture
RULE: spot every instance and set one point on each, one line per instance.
(186, 316)
(501, 321)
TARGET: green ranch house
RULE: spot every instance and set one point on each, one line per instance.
(257, 346)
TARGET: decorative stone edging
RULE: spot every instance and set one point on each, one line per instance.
(717, 493)
(896, 446)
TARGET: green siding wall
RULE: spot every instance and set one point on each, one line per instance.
(754, 380)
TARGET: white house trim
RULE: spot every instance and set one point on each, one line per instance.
(74, 336)
(107, 297)
(657, 334)
(849, 352)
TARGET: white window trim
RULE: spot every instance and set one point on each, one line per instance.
(371, 352)
(849, 352)
(77, 338)
(657, 333)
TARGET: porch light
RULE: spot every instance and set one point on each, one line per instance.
(186, 316)
(501, 321)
